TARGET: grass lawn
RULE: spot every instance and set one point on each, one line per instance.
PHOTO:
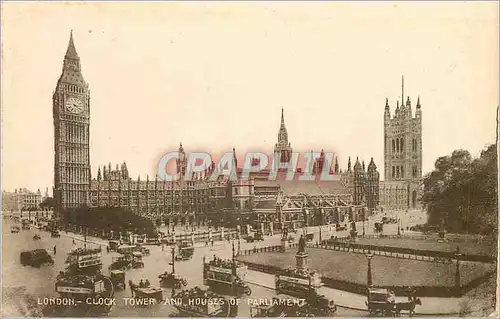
(386, 271)
(486, 248)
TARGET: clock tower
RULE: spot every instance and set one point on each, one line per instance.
(71, 112)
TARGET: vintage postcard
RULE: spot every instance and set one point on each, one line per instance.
(249, 159)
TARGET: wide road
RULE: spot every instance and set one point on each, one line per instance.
(20, 283)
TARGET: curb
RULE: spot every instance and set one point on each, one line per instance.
(449, 314)
(82, 240)
(338, 305)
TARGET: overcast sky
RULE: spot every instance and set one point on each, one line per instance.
(215, 75)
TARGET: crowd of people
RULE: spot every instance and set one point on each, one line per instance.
(296, 272)
(76, 280)
(223, 263)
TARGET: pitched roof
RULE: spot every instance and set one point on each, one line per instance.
(266, 204)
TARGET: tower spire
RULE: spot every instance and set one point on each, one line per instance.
(71, 51)
(283, 134)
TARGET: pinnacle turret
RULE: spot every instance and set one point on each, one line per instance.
(372, 166)
(357, 165)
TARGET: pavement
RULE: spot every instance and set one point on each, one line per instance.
(343, 299)
(42, 280)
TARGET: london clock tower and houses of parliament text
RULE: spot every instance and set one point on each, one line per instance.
(71, 111)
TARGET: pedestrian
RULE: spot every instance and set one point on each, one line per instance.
(74, 242)
(212, 242)
(147, 284)
(131, 285)
(162, 247)
(141, 284)
(54, 250)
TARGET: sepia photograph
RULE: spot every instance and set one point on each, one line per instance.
(249, 159)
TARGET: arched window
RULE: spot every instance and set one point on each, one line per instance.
(393, 146)
(397, 145)
(402, 171)
(402, 145)
(393, 171)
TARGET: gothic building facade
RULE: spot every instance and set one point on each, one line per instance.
(272, 203)
(401, 188)
(71, 114)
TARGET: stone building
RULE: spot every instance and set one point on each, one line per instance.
(258, 201)
(363, 184)
(402, 185)
(21, 199)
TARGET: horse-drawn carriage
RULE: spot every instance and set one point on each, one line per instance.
(146, 293)
(55, 234)
(36, 237)
(172, 280)
(383, 302)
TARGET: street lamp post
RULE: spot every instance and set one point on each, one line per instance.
(364, 218)
(399, 226)
(369, 282)
(457, 271)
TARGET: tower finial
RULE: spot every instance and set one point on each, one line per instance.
(402, 90)
(71, 51)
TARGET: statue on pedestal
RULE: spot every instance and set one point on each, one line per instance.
(302, 244)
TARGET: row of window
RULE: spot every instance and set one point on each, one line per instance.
(398, 145)
(398, 171)
(73, 88)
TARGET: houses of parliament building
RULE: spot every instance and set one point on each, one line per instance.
(272, 203)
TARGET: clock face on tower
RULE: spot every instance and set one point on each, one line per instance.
(74, 105)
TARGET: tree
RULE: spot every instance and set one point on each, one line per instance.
(110, 218)
(462, 192)
(47, 203)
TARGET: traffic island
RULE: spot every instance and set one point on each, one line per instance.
(348, 271)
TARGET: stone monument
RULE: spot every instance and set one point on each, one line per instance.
(284, 240)
(301, 255)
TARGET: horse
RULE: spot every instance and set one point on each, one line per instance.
(132, 286)
(409, 306)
